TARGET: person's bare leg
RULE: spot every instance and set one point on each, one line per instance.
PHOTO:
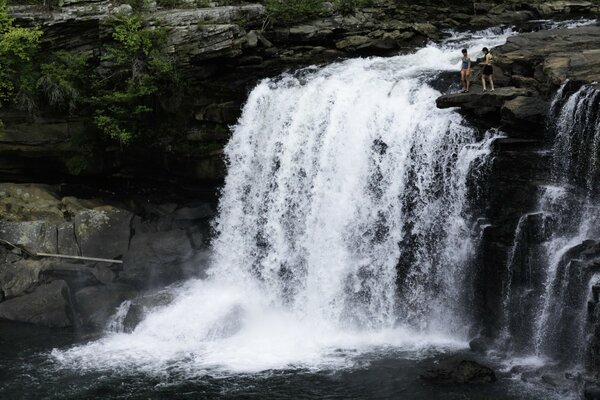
(468, 80)
(483, 83)
(463, 79)
(492, 82)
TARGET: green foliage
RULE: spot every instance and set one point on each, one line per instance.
(139, 73)
(137, 5)
(293, 11)
(62, 80)
(17, 48)
(346, 7)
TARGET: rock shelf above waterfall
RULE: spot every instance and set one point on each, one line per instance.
(528, 69)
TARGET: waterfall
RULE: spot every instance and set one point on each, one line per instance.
(344, 227)
(550, 307)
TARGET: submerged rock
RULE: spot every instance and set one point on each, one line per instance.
(461, 372)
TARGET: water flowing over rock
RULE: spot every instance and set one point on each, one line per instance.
(345, 222)
(553, 263)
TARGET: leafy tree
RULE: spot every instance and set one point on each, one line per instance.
(62, 80)
(137, 71)
(18, 46)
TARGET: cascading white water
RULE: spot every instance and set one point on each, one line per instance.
(343, 226)
(551, 324)
(576, 152)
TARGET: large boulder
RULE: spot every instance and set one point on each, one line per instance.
(460, 372)
(49, 305)
(158, 258)
(526, 113)
(103, 232)
(19, 277)
(96, 304)
(35, 236)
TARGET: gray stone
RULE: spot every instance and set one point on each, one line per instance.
(479, 103)
(103, 232)
(192, 213)
(157, 258)
(48, 305)
(525, 113)
(19, 277)
(352, 42)
(96, 304)
(141, 306)
(35, 236)
(67, 242)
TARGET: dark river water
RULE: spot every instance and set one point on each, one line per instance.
(26, 372)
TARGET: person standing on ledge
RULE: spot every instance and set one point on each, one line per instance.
(465, 71)
(488, 70)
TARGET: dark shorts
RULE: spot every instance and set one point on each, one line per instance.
(488, 70)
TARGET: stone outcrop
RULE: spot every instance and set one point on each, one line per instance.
(528, 69)
(160, 244)
(49, 305)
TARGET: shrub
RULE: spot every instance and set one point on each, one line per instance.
(17, 47)
(139, 72)
(346, 7)
(293, 11)
(62, 80)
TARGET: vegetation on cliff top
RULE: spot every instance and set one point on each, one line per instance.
(121, 94)
(17, 48)
(138, 72)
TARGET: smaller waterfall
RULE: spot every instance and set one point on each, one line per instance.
(549, 266)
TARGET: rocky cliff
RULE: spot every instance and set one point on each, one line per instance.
(221, 52)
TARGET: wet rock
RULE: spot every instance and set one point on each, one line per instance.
(141, 306)
(19, 277)
(201, 211)
(66, 240)
(35, 236)
(461, 372)
(49, 305)
(481, 344)
(481, 104)
(552, 56)
(353, 43)
(525, 113)
(158, 258)
(103, 232)
(96, 304)
(591, 391)
(77, 275)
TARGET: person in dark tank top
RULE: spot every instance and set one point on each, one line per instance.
(488, 70)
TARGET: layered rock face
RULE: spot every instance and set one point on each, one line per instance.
(152, 247)
(221, 52)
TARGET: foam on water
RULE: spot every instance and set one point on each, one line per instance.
(343, 228)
